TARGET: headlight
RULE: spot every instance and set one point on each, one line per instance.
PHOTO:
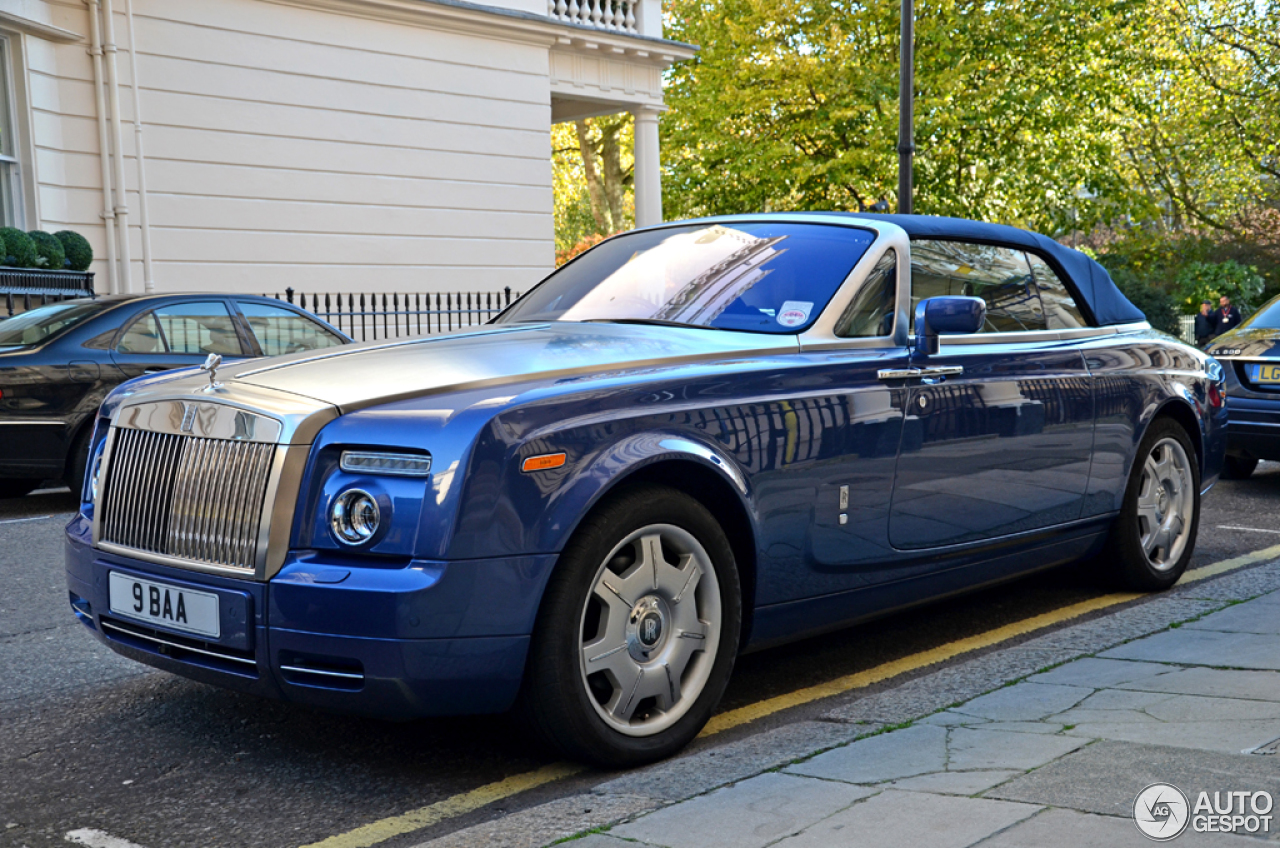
(354, 517)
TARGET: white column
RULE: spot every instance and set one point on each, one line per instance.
(648, 176)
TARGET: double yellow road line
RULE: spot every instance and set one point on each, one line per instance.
(379, 831)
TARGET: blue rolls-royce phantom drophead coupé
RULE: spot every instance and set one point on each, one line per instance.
(694, 439)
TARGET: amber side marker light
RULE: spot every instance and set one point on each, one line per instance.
(542, 463)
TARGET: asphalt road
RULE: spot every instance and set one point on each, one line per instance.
(90, 740)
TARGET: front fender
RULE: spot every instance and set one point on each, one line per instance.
(618, 463)
(539, 511)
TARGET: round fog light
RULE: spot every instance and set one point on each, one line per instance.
(354, 517)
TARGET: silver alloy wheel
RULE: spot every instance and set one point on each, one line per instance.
(650, 629)
(1166, 502)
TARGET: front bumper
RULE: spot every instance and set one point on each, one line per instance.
(1253, 427)
(427, 638)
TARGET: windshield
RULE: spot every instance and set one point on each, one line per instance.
(764, 277)
(36, 325)
(1266, 318)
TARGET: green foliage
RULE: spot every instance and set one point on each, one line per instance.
(579, 216)
(1054, 114)
(1201, 281)
(1154, 302)
(1158, 305)
(792, 104)
(49, 250)
(20, 250)
(78, 251)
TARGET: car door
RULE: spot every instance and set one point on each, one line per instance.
(178, 335)
(999, 428)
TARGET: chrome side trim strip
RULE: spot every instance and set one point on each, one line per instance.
(1042, 335)
(40, 421)
(106, 625)
(302, 670)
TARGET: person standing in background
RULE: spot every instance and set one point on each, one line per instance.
(1206, 324)
(1228, 315)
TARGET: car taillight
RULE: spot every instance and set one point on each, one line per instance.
(1217, 396)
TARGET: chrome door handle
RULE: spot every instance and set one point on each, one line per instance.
(916, 373)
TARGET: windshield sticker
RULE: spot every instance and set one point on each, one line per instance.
(794, 312)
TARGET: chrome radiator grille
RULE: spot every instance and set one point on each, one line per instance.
(188, 497)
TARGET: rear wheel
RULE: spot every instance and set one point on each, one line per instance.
(1155, 533)
(17, 488)
(1238, 467)
(637, 633)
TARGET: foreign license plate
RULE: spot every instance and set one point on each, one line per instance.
(1264, 373)
(169, 606)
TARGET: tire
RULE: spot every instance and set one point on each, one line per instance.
(1155, 534)
(17, 488)
(648, 589)
(78, 461)
(1238, 467)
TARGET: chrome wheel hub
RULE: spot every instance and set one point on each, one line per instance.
(1166, 503)
(647, 628)
(650, 630)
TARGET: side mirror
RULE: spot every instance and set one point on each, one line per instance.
(953, 316)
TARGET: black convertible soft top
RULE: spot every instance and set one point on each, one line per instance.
(1090, 280)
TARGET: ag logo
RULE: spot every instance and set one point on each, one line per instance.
(1161, 812)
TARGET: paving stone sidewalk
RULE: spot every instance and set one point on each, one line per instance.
(1055, 758)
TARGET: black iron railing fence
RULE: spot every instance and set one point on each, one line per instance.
(369, 317)
(26, 288)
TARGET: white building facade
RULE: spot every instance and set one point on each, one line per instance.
(319, 145)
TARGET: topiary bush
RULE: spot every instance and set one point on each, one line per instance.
(20, 250)
(49, 250)
(77, 249)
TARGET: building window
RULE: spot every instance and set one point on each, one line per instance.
(10, 175)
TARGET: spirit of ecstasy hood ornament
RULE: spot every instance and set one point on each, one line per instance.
(211, 365)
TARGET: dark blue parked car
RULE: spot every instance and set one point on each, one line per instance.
(1251, 356)
(58, 361)
(692, 440)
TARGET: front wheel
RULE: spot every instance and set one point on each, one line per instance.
(1155, 533)
(637, 633)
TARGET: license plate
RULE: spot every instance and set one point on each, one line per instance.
(1264, 373)
(169, 606)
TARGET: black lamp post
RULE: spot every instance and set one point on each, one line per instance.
(906, 142)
